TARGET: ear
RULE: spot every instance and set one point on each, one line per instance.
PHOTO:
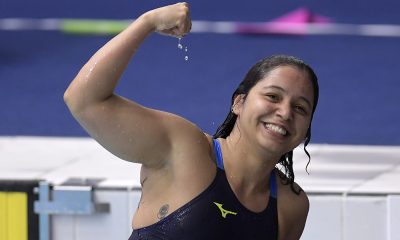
(237, 104)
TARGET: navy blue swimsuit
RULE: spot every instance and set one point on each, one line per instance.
(216, 214)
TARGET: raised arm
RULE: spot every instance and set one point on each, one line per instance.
(125, 128)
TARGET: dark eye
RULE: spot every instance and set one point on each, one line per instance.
(273, 97)
(300, 109)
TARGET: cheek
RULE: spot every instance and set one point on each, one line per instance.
(303, 126)
(307, 126)
(260, 105)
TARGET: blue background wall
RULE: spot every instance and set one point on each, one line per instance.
(359, 80)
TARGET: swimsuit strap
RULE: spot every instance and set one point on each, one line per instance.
(220, 165)
(218, 153)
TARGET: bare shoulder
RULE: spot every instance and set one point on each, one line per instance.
(190, 156)
(293, 207)
(189, 138)
(186, 171)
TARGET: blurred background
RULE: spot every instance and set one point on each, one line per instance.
(357, 74)
(355, 166)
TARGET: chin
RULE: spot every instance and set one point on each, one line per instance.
(273, 147)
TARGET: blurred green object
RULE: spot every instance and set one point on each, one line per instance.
(95, 27)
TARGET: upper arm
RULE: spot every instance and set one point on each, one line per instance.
(129, 130)
(299, 217)
(293, 211)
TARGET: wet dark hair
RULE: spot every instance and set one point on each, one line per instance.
(254, 75)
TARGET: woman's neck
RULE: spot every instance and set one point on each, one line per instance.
(248, 169)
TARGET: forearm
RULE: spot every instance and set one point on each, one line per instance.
(98, 78)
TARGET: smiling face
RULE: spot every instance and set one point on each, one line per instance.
(276, 113)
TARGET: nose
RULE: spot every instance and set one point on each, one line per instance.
(284, 111)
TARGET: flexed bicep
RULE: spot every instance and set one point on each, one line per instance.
(125, 128)
(128, 130)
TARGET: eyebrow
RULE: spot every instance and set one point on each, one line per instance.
(283, 90)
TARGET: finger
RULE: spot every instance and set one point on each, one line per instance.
(185, 4)
(188, 22)
(189, 25)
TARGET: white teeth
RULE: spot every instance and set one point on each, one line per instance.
(276, 129)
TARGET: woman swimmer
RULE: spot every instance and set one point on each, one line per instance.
(195, 186)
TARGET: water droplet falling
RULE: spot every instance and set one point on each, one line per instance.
(181, 47)
(179, 43)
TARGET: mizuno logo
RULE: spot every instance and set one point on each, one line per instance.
(224, 212)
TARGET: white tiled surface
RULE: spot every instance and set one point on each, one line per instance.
(325, 216)
(365, 218)
(333, 168)
(343, 217)
(342, 186)
(57, 159)
(349, 169)
(393, 219)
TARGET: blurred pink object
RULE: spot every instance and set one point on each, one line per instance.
(292, 23)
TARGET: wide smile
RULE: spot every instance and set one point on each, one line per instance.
(277, 129)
